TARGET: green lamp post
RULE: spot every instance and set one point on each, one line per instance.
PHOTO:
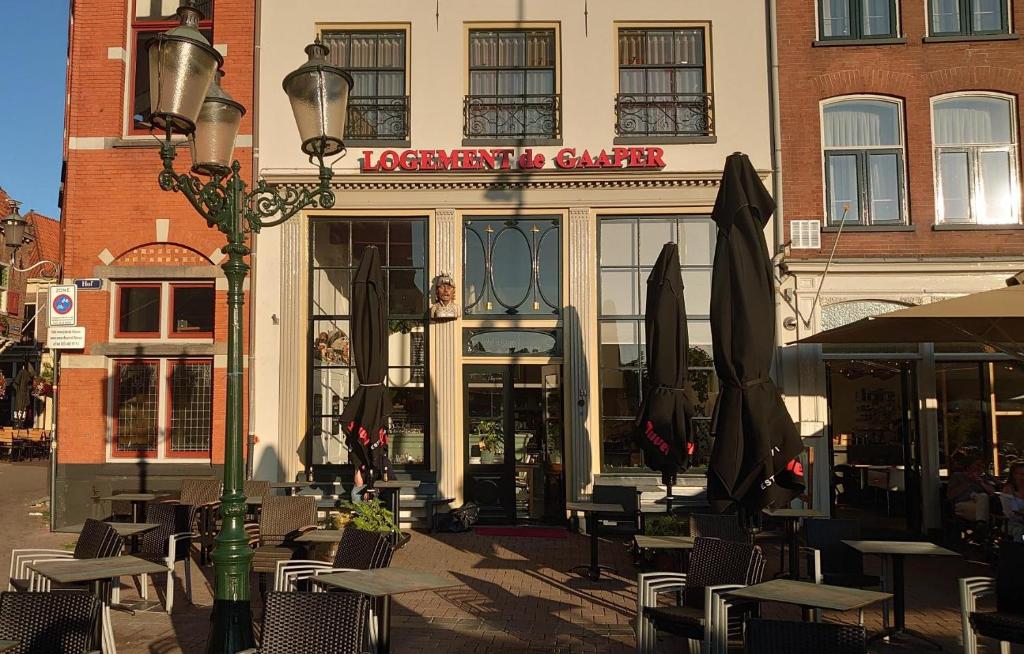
(187, 99)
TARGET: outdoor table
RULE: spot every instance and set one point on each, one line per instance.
(809, 596)
(292, 486)
(593, 511)
(897, 551)
(130, 530)
(138, 501)
(6, 645)
(256, 500)
(792, 518)
(680, 545)
(100, 573)
(397, 485)
(380, 584)
(321, 536)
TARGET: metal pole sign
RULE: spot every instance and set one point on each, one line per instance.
(63, 305)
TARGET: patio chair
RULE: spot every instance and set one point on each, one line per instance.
(833, 562)
(203, 495)
(357, 550)
(282, 520)
(168, 544)
(787, 637)
(726, 526)
(618, 523)
(702, 616)
(97, 540)
(1006, 623)
(325, 623)
(47, 623)
(255, 488)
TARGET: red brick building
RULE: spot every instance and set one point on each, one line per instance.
(143, 404)
(900, 137)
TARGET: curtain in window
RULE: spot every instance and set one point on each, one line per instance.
(973, 121)
(835, 18)
(860, 123)
(520, 55)
(876, 17)
(945, 16)
(843, 188)
(987, 16)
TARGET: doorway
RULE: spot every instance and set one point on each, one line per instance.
(875, 449)
(513, 442)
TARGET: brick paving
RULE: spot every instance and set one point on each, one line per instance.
(516, 595)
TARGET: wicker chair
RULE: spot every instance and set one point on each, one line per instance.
(702, 616)
(255, 488)
(203, 495)
(97, 540)
(1006, 623)
(726, 526)
(357, 550)
(47, 623)
(786, 637)
(282, 520)
(325, 623)
(168, 544)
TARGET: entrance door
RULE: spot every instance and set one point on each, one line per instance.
(513, 442)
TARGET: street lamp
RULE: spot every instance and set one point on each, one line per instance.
(184, 67)
(14, 227)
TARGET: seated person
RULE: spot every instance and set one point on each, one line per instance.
(969, 491)
(1012, 499)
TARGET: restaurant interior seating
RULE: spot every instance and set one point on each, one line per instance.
(789, 637)
(97, 540)
(48, 623)
(1006, 623)
(325, 623)
(168, 544)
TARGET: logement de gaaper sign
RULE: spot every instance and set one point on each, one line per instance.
(469, 159)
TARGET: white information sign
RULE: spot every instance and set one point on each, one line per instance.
(65, 338)
(63, 305)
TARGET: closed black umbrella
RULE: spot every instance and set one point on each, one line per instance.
(662, 425)
(753, 462)
(364, 419)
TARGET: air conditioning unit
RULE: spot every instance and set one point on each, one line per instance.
(805, 234)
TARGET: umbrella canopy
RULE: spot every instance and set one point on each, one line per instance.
(663, 421)
(23, 388)
(753, 462)
(364, 419)
(994, 318)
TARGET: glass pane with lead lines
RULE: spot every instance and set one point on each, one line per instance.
(191, 406)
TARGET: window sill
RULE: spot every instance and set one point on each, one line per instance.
(962, 38)
(838, 43)
(378, 143)
(663, 140)
(157, 349)
(515, 142)
(145, 142)
(868, 228)
(969, 227)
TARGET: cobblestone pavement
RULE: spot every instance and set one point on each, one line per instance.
(516, 595)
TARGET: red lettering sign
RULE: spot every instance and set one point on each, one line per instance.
(644, 157)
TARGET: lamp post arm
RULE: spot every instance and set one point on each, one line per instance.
(265, 200)
(56, 267)
(210, 200)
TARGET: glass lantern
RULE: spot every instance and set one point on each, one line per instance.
(216, 128)
(319, 92)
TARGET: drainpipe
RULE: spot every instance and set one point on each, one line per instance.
(776, 120)
(251, 440)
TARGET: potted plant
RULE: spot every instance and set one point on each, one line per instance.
(666, 525)
(492, 445)
(371, 515)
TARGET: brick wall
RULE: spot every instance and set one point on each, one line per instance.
(112, 202)
(912, 72)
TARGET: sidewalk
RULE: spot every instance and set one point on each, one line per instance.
(517, 596)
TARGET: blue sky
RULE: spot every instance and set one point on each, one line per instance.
(34, 52)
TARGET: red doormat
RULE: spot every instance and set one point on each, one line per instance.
(525, 532)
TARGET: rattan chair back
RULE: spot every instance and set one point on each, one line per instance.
(363, 550)
(198, 491)
(282, 517)
(787, 637)
(46, 623)
(256, 488)
(714, 562)
(726, 526)
(173, 519)
(97, 540)
(303, 622)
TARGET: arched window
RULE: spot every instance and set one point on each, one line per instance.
(975, 160)
(863, 148)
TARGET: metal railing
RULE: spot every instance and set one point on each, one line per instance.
(512, 116)
(380, 118)
(664, 114)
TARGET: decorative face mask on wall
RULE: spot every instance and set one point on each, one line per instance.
(444, 306)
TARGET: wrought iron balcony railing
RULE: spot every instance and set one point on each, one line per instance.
(378, 119)
(512, 116)
(664, 114)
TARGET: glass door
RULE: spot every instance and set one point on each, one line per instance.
(513, 442)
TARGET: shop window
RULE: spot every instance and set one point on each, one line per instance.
(136, 407)
(513, 92)
(629, 247)
(856, 19)
(28, 329)
(968, 17)
(149, 18)
(192, 310)
(191, 408)
(512, 267)
(378, 107)
(138, 310)
(864, 169)
(663, 83)
(338, 245)
(976, 160)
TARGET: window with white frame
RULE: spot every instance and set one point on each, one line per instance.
(976, 159)
(968, 17)
(162, 408)
(864, 161)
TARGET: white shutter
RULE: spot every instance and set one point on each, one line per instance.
(805, 234)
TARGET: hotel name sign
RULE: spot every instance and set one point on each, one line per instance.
(646, 158)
